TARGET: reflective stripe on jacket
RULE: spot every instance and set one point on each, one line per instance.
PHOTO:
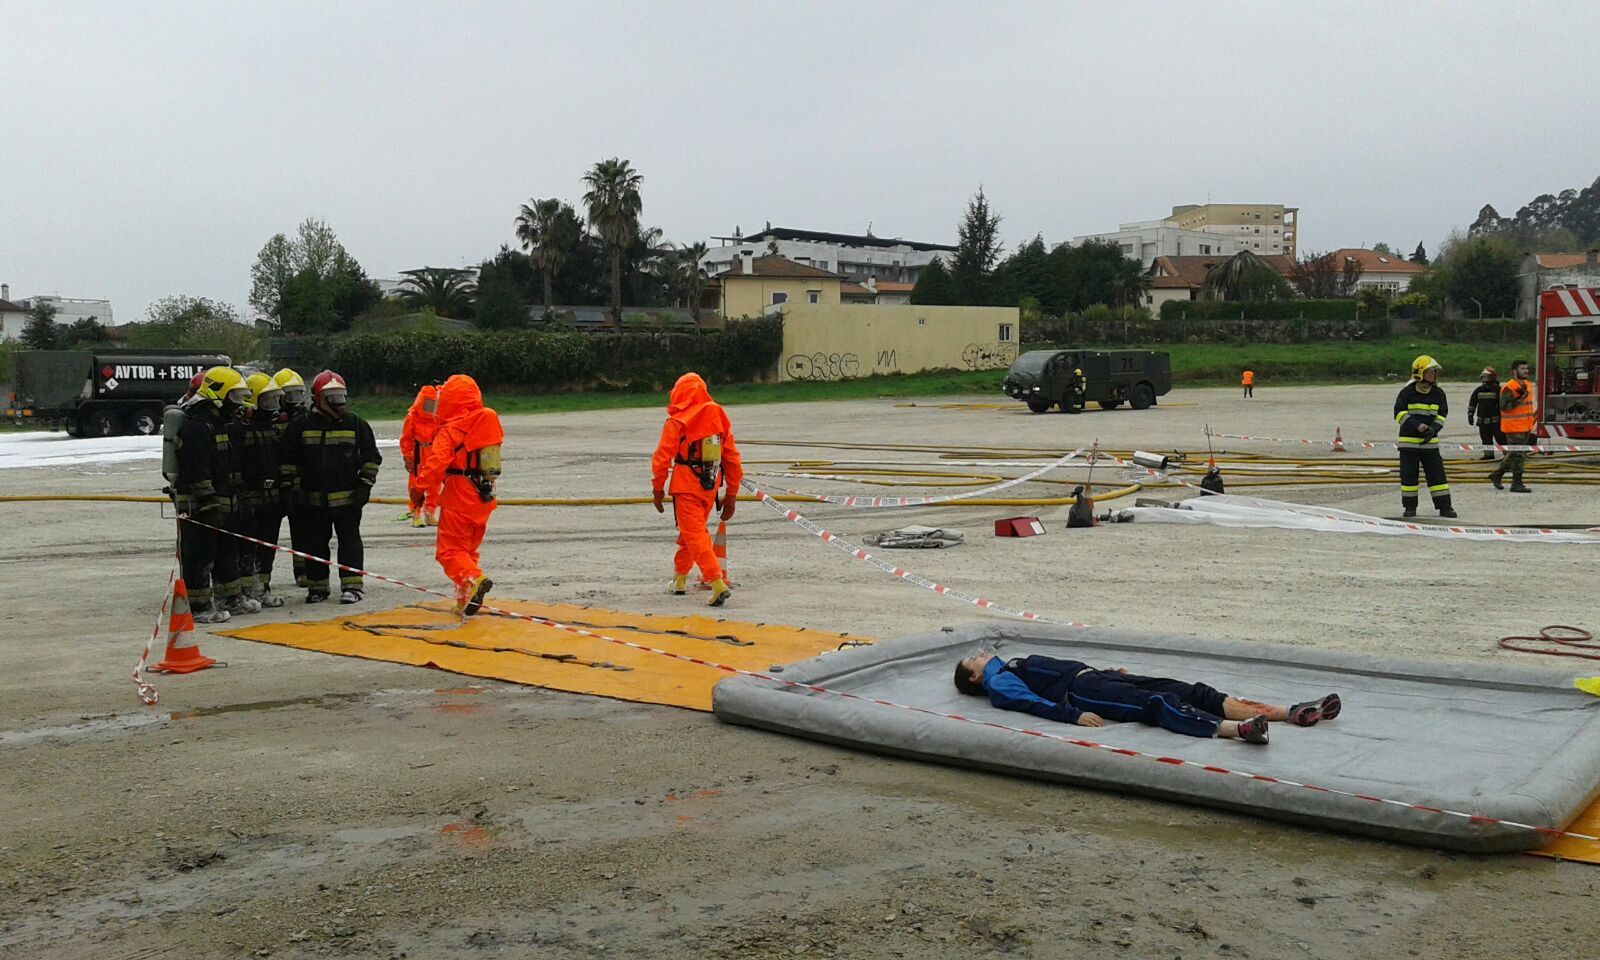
(1414, 409)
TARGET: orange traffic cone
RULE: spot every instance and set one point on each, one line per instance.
(719, 547)
(183, 650)
(1338, 440)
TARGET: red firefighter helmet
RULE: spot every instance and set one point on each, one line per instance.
(324, 381)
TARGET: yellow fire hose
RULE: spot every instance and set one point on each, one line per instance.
(1128, 490)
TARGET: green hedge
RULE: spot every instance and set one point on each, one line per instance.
(542, 361)
(1259, 310)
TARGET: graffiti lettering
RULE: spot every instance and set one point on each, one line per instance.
(989, 356)
(822, 366)
(886, 361)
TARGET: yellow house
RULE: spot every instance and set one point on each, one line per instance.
(758, 285)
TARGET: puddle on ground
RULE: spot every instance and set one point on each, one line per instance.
(252, 707)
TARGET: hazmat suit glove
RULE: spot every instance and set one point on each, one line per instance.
(659, 495)
(729, 501)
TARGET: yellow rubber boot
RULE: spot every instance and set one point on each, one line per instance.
(680, 584)
(477, 590)
(720, 592)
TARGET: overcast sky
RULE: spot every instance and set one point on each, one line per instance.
(149, 149)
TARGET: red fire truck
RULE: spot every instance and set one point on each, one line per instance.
(1569, 363)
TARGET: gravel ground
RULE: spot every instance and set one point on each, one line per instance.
(299, 805)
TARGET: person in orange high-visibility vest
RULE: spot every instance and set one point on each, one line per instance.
(416, 435)
(1518, 421)
(697, 446)
(463, 465)
(1248, 381)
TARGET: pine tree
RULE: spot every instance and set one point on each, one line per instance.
(1419, 255)
(41, 332)
(977, 251)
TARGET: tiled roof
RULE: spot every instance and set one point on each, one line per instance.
(894, 286)
(6, 306)
(1190, 271)
(848, 289)
(1372, 262)
(1559, 261)
(771, 266)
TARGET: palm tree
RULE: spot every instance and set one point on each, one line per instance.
(1226, 281)
(548, 231)
(447, 290)
(1130, 284)
(694, 276)
(614, 206)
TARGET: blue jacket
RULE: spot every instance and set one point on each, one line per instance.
(1036, 685)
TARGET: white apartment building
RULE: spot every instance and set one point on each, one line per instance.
(1211, 229)
(1150, 239)
(856, 258)
(14, 314)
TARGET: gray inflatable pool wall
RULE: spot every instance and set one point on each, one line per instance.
(1509, 742)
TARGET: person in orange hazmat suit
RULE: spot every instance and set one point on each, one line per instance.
(697, 445)
(463, 466)
(416, 435)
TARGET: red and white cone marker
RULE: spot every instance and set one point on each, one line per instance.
(1338, 440)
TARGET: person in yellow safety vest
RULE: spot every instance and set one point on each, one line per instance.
(1518, 421)
(1420, 409)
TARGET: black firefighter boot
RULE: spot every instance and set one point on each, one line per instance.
(1498, 474)
(1409, 506)
(1444, 508)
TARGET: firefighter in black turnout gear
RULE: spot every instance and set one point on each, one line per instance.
(1483, 409)
(206, 488)
(331, 460)
(262, 496)
(296, 403)
(1420, 410)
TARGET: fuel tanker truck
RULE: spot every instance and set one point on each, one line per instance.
(101, 393)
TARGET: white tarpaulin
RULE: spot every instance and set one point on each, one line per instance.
(1235, 511)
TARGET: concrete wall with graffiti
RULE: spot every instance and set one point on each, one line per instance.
(841, 341)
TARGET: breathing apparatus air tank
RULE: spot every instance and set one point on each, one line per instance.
(171, 423)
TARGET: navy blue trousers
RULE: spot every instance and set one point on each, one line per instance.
(1192, 709)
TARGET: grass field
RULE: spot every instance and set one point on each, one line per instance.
(1193, 364)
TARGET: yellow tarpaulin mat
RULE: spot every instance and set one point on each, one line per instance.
(503, 648)
(1571, 848)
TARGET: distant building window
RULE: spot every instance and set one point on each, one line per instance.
(778, 298)
(822, 264)
(922, 321)
(1005, 333)
(1205, 248)
(813, 296)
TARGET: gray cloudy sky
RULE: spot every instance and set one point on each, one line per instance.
(150, 148)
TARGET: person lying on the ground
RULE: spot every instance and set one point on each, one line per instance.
(1073, 692)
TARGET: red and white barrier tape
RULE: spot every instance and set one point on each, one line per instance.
(879, 502)
(850, 549)
(1392, 445)
(1507, 533)
(992, 724)
(147, 690)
